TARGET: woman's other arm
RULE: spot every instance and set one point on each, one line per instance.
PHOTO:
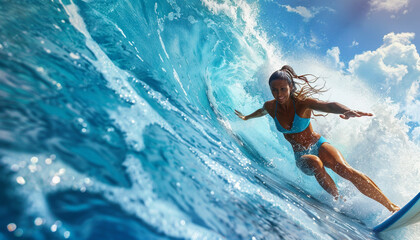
(334, 107)
(259, 113)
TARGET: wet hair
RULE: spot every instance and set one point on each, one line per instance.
(299, 90)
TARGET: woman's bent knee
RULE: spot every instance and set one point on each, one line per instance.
(309, 164)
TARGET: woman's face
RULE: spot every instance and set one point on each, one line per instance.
(281, 90)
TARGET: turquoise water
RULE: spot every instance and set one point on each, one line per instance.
(117, 123)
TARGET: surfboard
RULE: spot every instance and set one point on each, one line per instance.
(407, 215)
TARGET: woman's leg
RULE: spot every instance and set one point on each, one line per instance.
(333, 159)
(311, 165)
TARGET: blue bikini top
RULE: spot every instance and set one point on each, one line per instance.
(299, 124)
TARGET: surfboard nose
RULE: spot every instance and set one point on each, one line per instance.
(408, 215)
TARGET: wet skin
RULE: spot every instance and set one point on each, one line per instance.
(285, 115)
(329, 156)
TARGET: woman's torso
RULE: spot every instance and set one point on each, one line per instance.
(286, 118)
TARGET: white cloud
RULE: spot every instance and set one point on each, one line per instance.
(313, 42)
(306, 13)
(390, 61)
(412, 110)
(354, 43)
(388, 5)
(394, 69)
(413, 92)
(334, 55)
(416, 133)
(302, 11)
(403, 38)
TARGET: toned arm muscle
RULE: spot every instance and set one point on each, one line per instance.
(333, 107)
(259, 113)
(328, 107)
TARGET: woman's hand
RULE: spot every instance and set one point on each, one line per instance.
(354, 113)
(240, 115)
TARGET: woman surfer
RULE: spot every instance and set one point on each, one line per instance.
(291, 110)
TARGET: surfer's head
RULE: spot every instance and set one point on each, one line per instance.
(286, 73)
(281, 90)
(300, 89)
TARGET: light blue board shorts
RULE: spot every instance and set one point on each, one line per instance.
(313, 150)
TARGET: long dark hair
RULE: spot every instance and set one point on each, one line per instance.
(301, 89)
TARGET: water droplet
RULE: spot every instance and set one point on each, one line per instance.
(191, 19)
(19, 232)
(15, 167)
(74, 56)
(34, 160)
(32, 168)
(171, 16)
(20, 180)
(38, 221)
(61, 171)
(55, 180)
(11, 227)
(87, 181)
(53, 228)
(66, 234)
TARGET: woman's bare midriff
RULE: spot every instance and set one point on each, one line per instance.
(302, 140)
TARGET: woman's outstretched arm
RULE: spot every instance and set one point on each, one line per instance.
(334, 107)
(259, 113)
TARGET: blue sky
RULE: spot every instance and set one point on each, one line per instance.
(375, 41)
(354, 26)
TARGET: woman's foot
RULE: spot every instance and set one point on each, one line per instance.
(394, 208)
